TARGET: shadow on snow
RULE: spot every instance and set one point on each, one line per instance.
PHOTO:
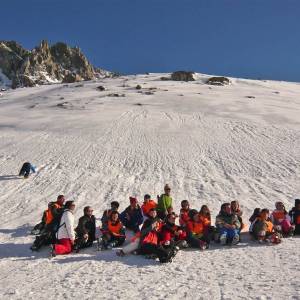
(9, 177)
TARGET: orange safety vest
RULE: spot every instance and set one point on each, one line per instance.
(147, 206)
(205, 220)
(151, 238)
(278, 215)
(114, 228)
(195, 227)
(48, 215)
(269, 226)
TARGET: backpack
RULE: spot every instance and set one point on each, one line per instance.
(54, 226)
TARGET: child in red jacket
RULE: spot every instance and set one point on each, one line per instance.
(184, 213)
(172, 233)
(195, 231)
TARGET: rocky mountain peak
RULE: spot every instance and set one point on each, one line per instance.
(45, 64)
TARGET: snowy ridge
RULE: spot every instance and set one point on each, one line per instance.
(211, 144)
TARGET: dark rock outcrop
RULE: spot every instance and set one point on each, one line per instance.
(183, 76)
(218, 81)
(101, 88)
(45, 64)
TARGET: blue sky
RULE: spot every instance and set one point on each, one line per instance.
(241, 38)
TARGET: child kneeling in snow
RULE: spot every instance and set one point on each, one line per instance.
(228, 225)
(205, 218)
(196, 236)
(172, 234)
(263, 229)
(114, 235)
(282, 220)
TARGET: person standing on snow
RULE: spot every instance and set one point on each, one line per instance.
(165, 202)
(66, 232)
(26, 168)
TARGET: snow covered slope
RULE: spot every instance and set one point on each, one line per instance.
(210, 143)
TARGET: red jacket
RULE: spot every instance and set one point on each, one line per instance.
(184, 217)
(168, 233)
(147, 206)
(151, 238)
(195, 228)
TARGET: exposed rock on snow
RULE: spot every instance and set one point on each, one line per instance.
(101, 88)
(46, 64)
(183, 76)
(115, 95)
(218, 81)
(164, 78)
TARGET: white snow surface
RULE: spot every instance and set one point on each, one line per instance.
(212, 144)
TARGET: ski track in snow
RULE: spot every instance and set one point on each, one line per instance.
(211, 145)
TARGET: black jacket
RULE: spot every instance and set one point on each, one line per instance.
(86, 225)
(295, 215)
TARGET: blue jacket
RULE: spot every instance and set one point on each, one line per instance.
(135, 216)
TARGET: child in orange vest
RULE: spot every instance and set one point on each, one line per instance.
(114, 235)
(195, 231)
(263, 229)
(205, 218)
(282, 220)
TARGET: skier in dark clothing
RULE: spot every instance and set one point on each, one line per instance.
(132, 216)
(26, 168)
(85, 230)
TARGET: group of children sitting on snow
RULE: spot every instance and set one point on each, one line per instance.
(155, 232)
